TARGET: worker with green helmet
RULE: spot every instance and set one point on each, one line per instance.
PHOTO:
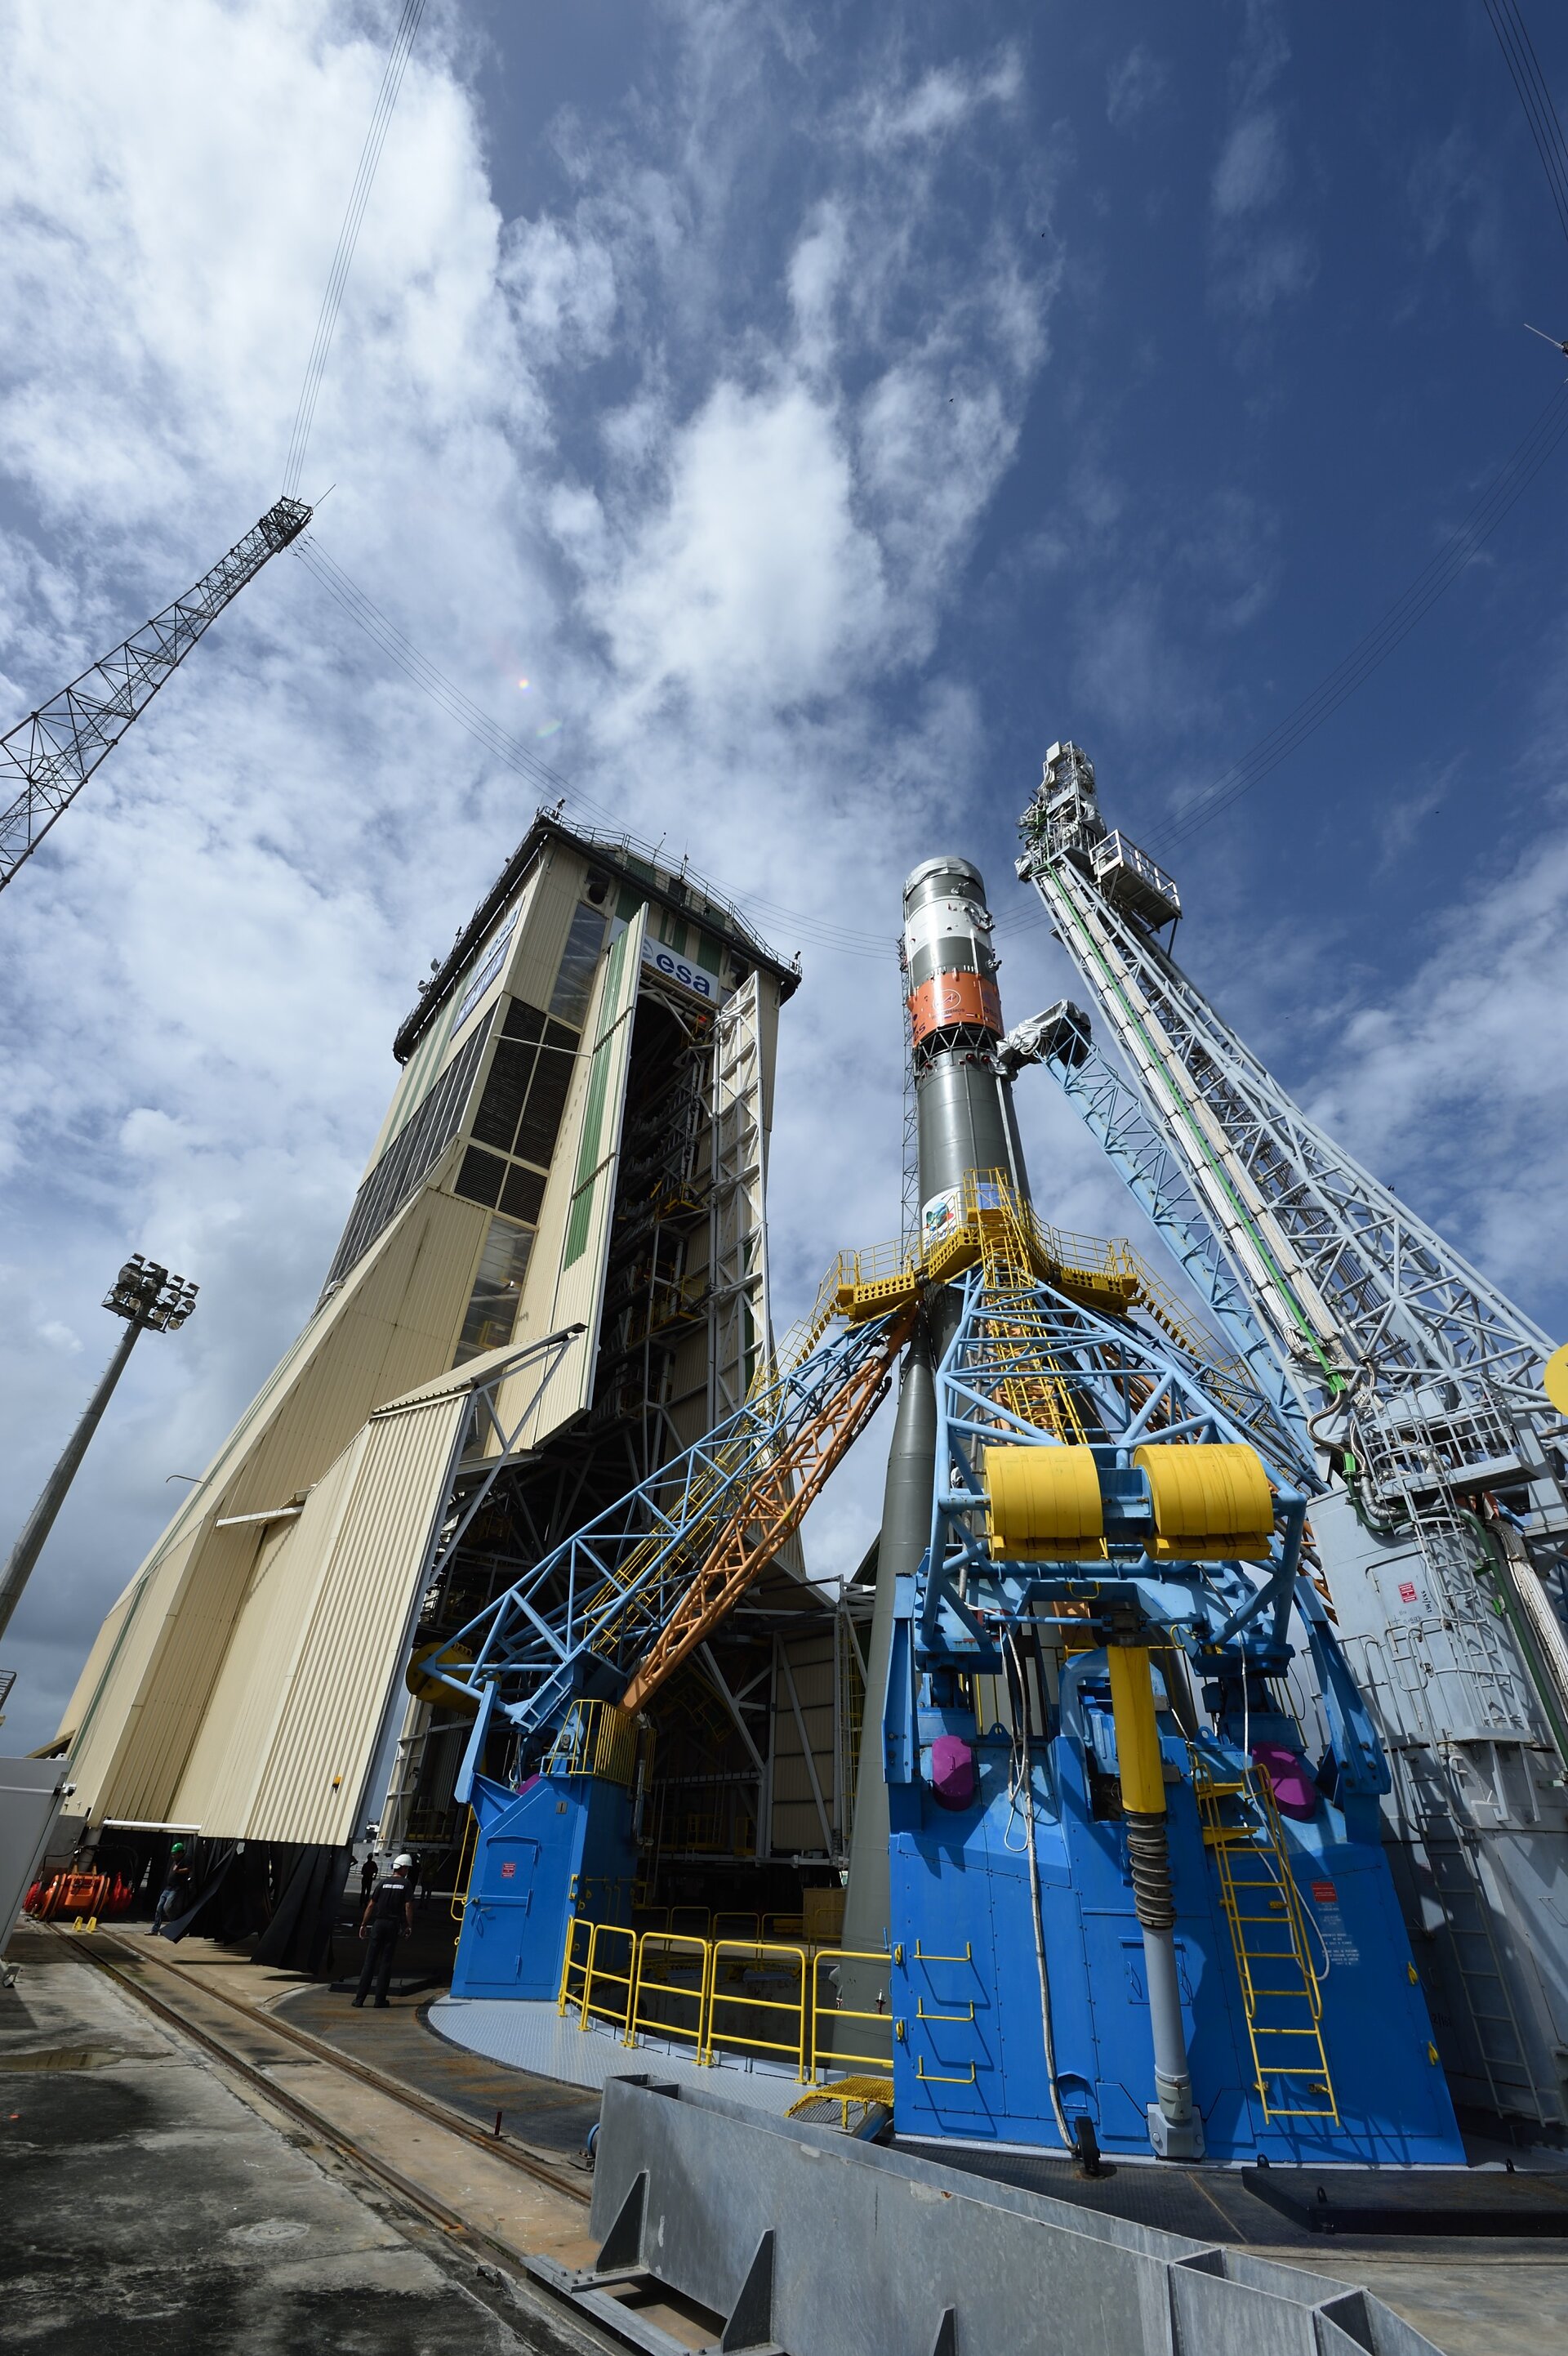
(175, 1892)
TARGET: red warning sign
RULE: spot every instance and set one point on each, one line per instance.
(509, 1869)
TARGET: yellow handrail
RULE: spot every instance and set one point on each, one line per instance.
(596, 1971)
(467, 1853)
(814, 2019)
(840, 2057)
(571, 1962)
(751, 2002)
(663, 1942)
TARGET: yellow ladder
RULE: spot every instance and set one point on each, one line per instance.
(1268, 1936)
(1031, 1388)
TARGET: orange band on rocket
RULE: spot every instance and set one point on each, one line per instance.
(954, 998)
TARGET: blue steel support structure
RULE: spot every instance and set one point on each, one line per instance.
(1024, 1969)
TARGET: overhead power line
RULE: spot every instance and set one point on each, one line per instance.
(349, 237)
(1540, 113)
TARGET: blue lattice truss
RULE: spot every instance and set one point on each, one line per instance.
(582, 1620)
(1231, 1618)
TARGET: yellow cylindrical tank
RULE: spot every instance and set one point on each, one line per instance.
(1045, 1504)
(1211, 1503)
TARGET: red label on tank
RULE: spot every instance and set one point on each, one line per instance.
(1406, 1590)
(507, 1870)
(1325, 1894)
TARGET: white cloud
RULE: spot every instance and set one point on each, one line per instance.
(1134, 86)
(1259, 257)
(1252, 170)
(942, 103)
(753, 581)
(714, 512)
(1474, 1047)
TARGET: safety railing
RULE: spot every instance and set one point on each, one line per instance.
(829, 2049)
(468, 1852)
(737, 1926)
(574, 1964)
(670, 1989)
(599, 1974)
(749, 1966)
(595, 1738)
(785, 2002)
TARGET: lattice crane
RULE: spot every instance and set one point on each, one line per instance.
(47, 757)
(614, 1609)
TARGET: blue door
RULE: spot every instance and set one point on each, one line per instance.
(495, 1920)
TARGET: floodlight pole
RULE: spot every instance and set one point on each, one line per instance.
(146, 1295)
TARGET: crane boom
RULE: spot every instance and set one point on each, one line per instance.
(50, 754)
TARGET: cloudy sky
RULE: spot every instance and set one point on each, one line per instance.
(822, 408)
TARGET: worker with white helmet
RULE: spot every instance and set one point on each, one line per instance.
(390, 1912)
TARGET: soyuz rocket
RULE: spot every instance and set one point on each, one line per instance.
(964, 1123)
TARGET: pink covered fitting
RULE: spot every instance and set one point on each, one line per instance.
(952, 1771)
(1294, 1793)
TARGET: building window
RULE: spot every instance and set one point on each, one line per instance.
(579, 960)
(481, 1177)
(497, 1289)
(409, 1159)
(524, 1098)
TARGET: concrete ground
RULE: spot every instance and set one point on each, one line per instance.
(148, 2207)
(150, 2197)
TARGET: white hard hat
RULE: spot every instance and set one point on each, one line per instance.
(403, 1864)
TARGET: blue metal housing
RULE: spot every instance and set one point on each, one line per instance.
(539, 1851)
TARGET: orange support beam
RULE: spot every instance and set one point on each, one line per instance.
(769, 1513)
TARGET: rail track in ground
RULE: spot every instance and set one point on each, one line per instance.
(408, 2144)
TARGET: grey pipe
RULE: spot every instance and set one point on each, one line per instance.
(1175, 2129)
(906, 1534)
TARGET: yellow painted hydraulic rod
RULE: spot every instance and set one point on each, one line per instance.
(1175, 2127)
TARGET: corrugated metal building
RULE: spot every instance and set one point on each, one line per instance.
(577, 1138)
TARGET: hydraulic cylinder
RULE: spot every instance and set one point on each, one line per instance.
(1175, 2129)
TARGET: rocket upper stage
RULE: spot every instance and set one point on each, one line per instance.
(949, 962)
(965, 1105)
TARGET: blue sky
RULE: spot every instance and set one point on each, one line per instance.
(824, 409)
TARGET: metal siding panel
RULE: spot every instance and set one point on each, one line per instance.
(216, 1787)
(554, 1296)
(348, 1652)
(543, 934)
(392, 1327)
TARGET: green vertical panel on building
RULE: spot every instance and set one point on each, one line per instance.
(578, 1224)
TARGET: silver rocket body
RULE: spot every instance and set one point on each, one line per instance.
(965, 1122)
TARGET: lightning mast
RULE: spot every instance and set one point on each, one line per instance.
(1443, 1534)
(47, 757)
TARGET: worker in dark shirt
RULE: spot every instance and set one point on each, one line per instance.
(390, 1913)
(175, 1896)
(367, 1880)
